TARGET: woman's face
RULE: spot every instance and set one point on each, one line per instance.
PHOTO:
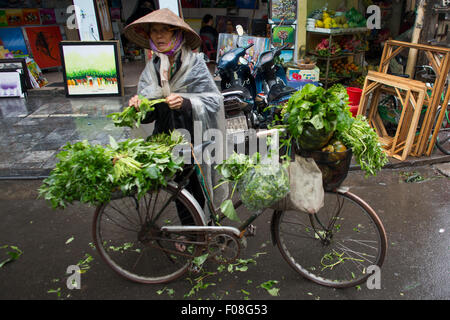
(161, 35)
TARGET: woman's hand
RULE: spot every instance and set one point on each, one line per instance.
(135, 102)
(174, 101)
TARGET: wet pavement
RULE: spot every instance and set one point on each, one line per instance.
(33, 131)
(415, 215)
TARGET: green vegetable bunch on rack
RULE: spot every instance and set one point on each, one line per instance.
(90, 173)
(259, 184)
(320, 119)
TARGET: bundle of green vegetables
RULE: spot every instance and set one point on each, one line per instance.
(259, 184)
(316, 118)
(90, 173)
(131, 117)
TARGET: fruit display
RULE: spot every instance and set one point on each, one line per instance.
(355, 18)
(349, 19)
(327, 49)
(329, 20)
(344, 69)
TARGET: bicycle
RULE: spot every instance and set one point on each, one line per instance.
(149, 241)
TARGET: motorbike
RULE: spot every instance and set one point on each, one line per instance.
(238, 89)
(271, 84)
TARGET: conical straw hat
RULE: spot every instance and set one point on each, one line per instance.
(139, 30)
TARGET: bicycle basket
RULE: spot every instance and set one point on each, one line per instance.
(333, 165)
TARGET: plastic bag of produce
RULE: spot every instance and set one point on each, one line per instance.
(306, 187)
(263, 185)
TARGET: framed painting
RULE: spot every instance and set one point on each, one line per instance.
(14, 41)
(228, 42)
(173, 5)
(283, 11)
(11, 84)
(17, 64)
(37, 78)
(104, 19)
(31, 16)
(282, 35)
(14, 17)
(92, 68)
(48, 16)
(44, 45)
(86, 18)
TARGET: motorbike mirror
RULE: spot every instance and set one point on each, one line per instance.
(240, 30)
(243, 61)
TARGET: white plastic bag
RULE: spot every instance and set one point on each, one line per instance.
(306, 187)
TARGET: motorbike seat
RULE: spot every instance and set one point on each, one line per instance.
(279, 91)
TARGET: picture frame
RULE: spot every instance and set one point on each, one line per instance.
(227, 42)
(11, 84)
(44, 45)
(15, 64)
(283, 34)
(174, 5)
(104, 19)
(92, 68)
(283, 11)
(86, 18)
(287, 55)
(14, 41)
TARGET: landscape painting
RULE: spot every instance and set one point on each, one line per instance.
(91, 68)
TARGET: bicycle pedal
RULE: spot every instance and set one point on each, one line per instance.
(251, 231)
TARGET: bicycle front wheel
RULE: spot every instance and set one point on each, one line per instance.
(335, 246)
(127, 234)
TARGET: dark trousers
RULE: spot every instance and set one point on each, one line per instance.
(195, 189)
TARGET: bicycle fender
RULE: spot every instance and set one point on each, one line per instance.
(272, 227)
(191, 198)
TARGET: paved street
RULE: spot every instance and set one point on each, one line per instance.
(415, 216)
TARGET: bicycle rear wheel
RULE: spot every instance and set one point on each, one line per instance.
(335, 246)
(127, 234)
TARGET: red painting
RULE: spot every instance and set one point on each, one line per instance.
(44, 45)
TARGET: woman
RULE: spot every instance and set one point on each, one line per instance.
(181, 76)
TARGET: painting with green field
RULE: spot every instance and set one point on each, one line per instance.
(91, 68)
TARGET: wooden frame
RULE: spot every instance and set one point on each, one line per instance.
(411, 94)
(89, 85)
(104, 19)
(439, 60)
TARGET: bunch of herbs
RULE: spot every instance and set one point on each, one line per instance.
(131, 117)
(89, 173)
